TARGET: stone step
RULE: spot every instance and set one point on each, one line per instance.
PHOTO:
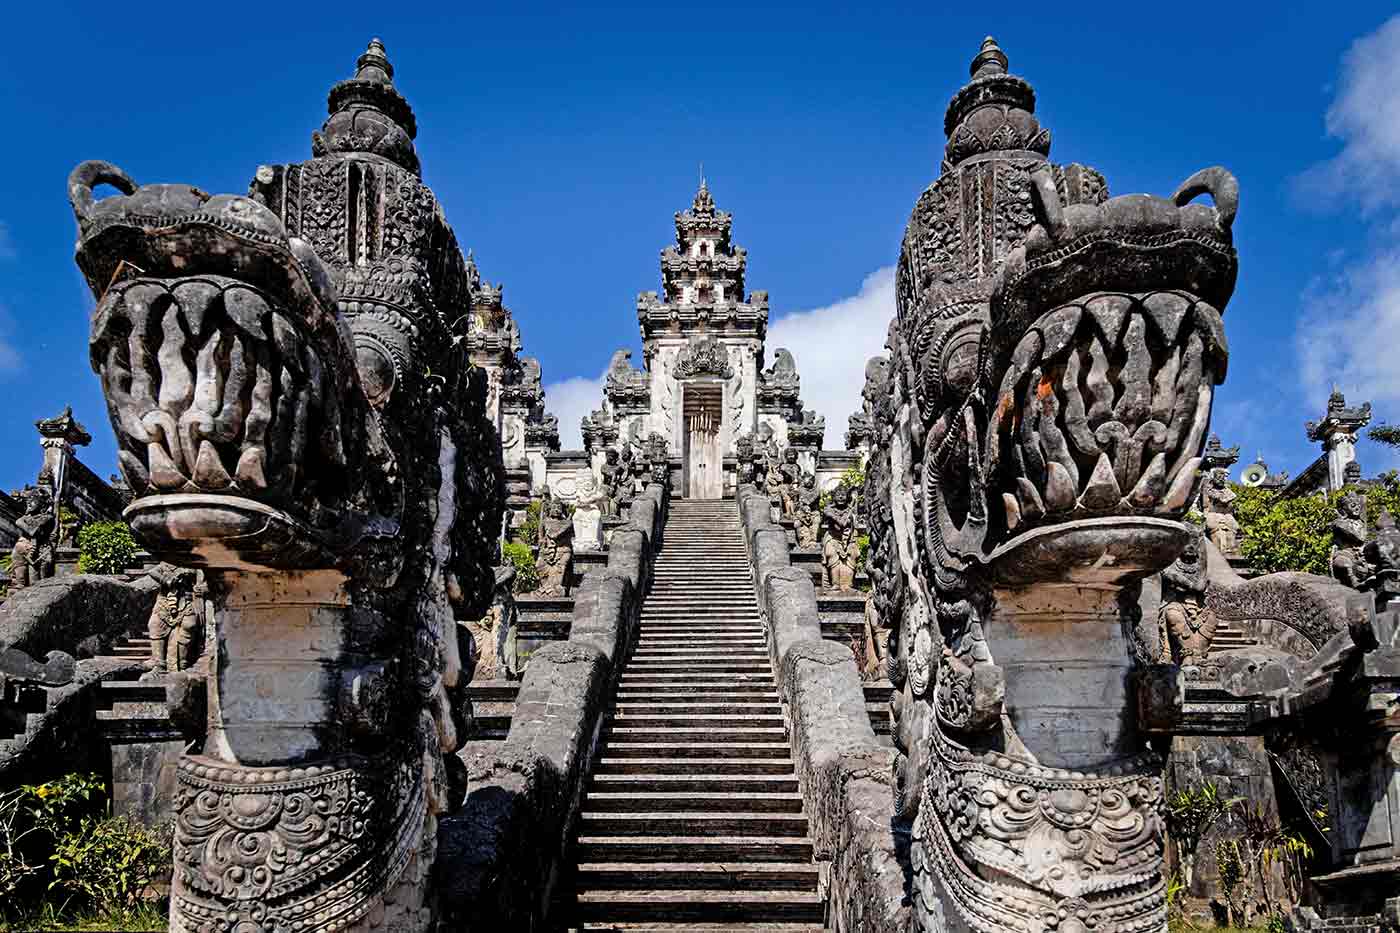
(682, 750)
(696, 720)
(687, 906)
(493, 690)
(693, 802)
(758, 664)
(736, 737)
(662, 848)
(633, 680)
(765, 708)
(709, 876)
(651, 765)
(762, 687)
(662, 638)
(695, 783)
(698, 650)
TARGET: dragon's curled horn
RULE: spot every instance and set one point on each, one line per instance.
(90, 174)
(1222, 187)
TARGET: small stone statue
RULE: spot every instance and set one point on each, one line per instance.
(1185, 626)
(1349, 563)
(809, 512)
(1218, 501)
(744, 454)
(556, 548)
(790, 484)
(613, 475)
(494, 636)
(31, 560)
(175, 626)
(838, 535)
(588, 512)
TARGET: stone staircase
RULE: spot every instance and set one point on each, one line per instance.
(692, 818)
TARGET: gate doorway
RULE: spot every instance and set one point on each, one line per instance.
(703, 406)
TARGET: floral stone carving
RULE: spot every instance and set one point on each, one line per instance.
(294, 417)
(1037, 438)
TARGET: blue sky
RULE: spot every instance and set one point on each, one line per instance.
(561, 140)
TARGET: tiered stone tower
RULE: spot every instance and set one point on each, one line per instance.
(703, 385)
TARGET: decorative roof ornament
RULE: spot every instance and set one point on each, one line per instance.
(368, 116)
(1339, 420)
(994, 112)
(703, 356)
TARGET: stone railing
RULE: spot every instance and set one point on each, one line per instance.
(845, 774)
(500, 855)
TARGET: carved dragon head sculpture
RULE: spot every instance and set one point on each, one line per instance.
(294, 414)
(1052, 369)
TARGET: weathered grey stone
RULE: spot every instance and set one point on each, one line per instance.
(499, 854)
(59, 613)
(790, 601)
(603, 615)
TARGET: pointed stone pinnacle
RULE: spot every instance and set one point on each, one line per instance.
(373, 64)
(990, 60)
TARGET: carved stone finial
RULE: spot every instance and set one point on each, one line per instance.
(373, 64)
(994, 112)
(368, 115)
(991, 60)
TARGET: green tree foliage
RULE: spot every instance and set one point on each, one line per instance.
(527, 574)
(530, 528)
(105, 547)
(1387, 434)
(62, 853)
(1296, 534)
(1191, 812)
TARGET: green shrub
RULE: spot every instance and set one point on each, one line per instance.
(527, 575)
(530, 528)
(105, 547)
(110, 863)
(59, 838)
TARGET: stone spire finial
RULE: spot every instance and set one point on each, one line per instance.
(991, 60)
(368, 115)
(704, 203)
(993, 112)
(373, 64)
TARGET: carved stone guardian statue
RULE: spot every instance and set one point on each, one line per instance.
(1186, 625)
(790, 482)
(556, 547)
(1349, 562)
(32, 558)
(330, 467)
(176, 624)
(588, 513)
(809, 512)
(838, 538)
(613, 475)
(1218, 500)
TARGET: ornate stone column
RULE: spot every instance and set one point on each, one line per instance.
(1337, 433)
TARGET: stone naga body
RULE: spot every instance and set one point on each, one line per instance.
(294, 417)
(1037, 441)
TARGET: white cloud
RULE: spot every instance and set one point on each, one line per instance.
(1365, 115)
(1351, 316)
(570, 400)
(831, 346)
(1349, 326)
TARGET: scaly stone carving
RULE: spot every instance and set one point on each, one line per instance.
(295, 416)
(1052, 368)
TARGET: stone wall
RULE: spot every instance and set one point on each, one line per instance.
(500, 855)
(845, 774)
